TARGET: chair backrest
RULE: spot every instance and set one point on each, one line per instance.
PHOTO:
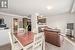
(10, 37)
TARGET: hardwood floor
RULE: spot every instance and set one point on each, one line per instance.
(65, 46)
(5, 47)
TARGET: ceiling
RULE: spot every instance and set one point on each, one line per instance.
(44, 7)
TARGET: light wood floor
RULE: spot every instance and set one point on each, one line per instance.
(5, 47)
(65, 46)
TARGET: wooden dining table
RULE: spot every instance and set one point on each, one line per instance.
(26, 38)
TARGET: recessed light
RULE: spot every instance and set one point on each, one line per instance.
(49, 7)
(37, 14)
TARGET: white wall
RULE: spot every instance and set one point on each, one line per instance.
(59, 21)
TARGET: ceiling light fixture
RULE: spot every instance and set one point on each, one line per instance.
(49, 7)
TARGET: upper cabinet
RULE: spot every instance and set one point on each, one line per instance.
(41, 20)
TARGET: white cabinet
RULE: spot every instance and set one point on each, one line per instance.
(4, 36)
